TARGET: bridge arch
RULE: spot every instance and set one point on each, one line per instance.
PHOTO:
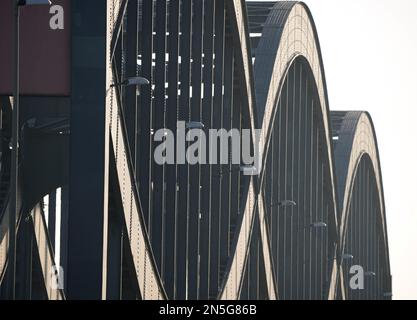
(289, 37)
(363, 231)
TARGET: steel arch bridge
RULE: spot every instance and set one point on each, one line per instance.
(129, 228)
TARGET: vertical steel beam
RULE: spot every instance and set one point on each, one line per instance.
(320, 217)
(14, 173)
(296, 179)
(89, 159)
(310, 218)
(194, 213)
(206, 170)
(315, 205)
(302, 207)
(227, 107)
(281, 256)
(171, 170)
(145, 109)
(220, 15)
(235, 180)
(292, 105)
(131, 101)
(183, 115)
(158, 122)
(308, 189)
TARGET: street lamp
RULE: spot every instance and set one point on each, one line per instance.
(347, 257)
(133, 81)
(195, 125)
(284, 203)
(15, 145)
(370, 274)
(318, 225)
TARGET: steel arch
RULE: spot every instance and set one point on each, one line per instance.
(288, 33)
(355, 147)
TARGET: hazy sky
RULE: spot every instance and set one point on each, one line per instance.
(370, 58)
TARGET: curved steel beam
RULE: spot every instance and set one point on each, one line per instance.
(235, 270)
(43, 248)
(148, 278)
(45, 251)
(355, 139)
(288, 33)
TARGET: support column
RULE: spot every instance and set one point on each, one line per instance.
(89, 158)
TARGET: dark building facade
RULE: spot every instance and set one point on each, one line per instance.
(99, 218)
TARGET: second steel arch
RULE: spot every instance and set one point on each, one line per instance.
(287, 34)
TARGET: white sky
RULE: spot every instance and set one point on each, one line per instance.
(370, 56)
